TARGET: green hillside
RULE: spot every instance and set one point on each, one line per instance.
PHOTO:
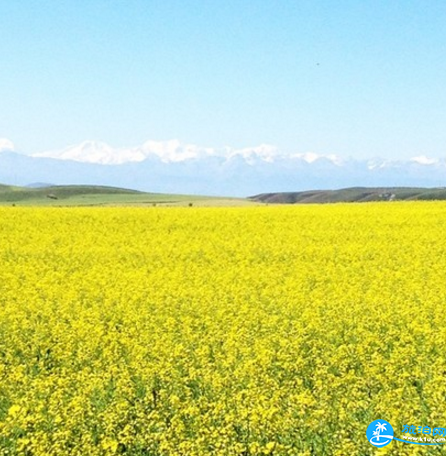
(95, 195)
(91, 195)
(354, 194)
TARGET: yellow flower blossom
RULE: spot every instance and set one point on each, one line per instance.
(220, 331)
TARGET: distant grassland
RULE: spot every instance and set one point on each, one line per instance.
(89, 195)
(95, 195)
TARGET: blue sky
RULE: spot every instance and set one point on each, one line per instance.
(353, 78)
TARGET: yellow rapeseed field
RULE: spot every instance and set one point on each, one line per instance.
(220, 331)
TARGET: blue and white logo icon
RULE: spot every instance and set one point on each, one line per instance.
(379, 433)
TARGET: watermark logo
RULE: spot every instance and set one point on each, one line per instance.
(380, 433)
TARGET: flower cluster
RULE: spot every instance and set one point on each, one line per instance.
(219, 331)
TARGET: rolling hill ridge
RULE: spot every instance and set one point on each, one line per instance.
(353, 194)
(96, 195)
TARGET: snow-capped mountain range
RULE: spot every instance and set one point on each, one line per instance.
(171, 166)
(168, 152)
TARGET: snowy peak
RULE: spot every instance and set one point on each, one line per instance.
(264, 152)
(166, 151)
(6, 145)
(176, 167)
(264, 159)
(423, 160)
(311, 157)
(87, 151)
(308, 157)
(101, 153)
(173, 151)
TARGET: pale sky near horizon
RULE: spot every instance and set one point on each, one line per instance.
(352, 78)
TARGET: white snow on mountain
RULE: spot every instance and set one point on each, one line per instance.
(102, 153)
(91, 152)
(6, 145)
(174, 151)
(377, 163)
(264, 152)
(423, 160)
(176, 167)
(311, 157)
